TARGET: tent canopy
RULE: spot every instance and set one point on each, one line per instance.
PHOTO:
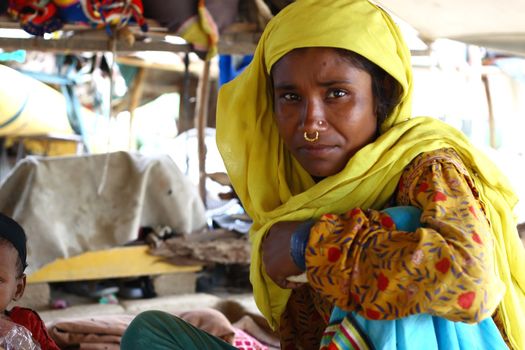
(493, 24)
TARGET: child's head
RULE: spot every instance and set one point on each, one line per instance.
(12, 261)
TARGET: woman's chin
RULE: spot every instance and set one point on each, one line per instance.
(320, 172)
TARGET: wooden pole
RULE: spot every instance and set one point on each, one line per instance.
(492, 121)
(201, 113)
(135, 97)
(186, 118)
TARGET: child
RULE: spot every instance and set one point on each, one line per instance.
(13, 282)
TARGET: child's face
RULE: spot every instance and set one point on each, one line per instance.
(11, 284)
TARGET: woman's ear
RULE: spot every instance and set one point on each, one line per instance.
(20, 287)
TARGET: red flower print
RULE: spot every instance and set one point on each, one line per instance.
(466, 299)
(355, 212)
(329, 216)
(443, 265)
(439, 197)
(476, 238)
(473, 211)
(387, 222)
(401, 185)
(423, 187)
(372, 314)
(356, 298)
(382, 282)
(333, 254)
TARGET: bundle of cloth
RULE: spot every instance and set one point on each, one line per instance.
(105, 332)
(198, 22)
(90, 333)
(38, 17)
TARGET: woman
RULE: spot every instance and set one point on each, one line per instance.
(271, 109)
(317, 137)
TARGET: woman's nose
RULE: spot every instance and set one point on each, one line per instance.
(314, 118)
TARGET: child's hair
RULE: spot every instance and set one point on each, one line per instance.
(12, 234)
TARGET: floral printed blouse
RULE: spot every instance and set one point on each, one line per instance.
(360, 262)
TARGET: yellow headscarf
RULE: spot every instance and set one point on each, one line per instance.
(273, 186)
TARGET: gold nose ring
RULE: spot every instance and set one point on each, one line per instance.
(311, 139)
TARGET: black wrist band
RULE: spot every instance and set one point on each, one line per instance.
(298, 243)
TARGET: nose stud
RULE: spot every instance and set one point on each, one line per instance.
(311, 139)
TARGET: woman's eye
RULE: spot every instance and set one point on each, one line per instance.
(336, 93)
(289, 96)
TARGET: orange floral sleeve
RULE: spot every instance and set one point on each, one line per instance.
(360, 262)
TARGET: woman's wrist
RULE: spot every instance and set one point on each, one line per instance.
(298, 242)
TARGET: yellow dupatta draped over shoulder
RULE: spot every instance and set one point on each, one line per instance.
(273, 186)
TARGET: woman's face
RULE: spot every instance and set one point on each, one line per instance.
(324, 108)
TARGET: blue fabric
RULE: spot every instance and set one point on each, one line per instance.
(423, 331)
(406, 218)
(230, 67)
(17, 56)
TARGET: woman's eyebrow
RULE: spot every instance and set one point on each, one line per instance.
(284, 86)
(335, 82)
(289, 86)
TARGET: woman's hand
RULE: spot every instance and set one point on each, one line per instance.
(276, 254)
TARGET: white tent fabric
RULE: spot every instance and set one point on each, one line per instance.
(494, 24)
(70, 205)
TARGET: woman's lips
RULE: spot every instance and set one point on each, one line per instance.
(317, 150)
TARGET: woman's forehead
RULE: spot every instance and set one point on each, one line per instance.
(319, 63)
(296, 56)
